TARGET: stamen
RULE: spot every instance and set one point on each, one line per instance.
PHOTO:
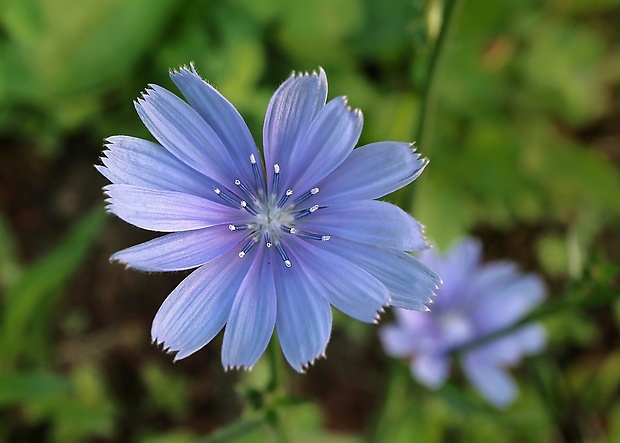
(268, 240)
(276, 179)
(249, 245)
(226, 197)
(238, 227)
(287, 262)
(305, 212)
(293, 230)
(247, 191)
(259, 183)
(307, 195)
(284, 198)
(249, 208)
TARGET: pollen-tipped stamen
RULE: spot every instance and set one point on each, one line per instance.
(276, 179)
(284, 198)
(260, 184)
(227, 198)
(247, 191)
(285, 258)
(249, 245)
(238, 227)
(306, 196)
(310, 210)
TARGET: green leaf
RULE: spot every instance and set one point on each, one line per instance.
(27, 387)
(28, 302)
(9, 264)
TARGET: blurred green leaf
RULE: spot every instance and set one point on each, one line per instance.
(28, 302)
(9, 262)
(28, 387)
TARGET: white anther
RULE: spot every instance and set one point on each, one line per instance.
(217, 190)
(252, 159)
(289, 192)
(276, 168)
(325, 238)
(314, 208)
(232, 227)
(243, 203)
(241, 254)
(314, 191)
(237, 182)
(287, 263)
(294, 231)
(269, 244)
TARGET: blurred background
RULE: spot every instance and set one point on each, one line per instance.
(522, 127)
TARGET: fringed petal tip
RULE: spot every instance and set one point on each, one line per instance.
(302, 368)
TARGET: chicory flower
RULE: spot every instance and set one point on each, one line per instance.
(274, 243)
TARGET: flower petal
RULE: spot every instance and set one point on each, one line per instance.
(137, 162)
(345, 285)
(371, 171)
(430, 369)
(370, 222)
(304, 318)
(180, 250)
(167, 211)
(222, 117)
(253, 314)
(330, 139)
(291, 110)
(492, 382)
(410, 283)
(507, 350)
(182, 131)
(198, 308)
(507, 303)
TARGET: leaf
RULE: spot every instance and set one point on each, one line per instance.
(29, 300)
(9, 266)
(27, 387)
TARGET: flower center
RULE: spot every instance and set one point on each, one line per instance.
(272, 218)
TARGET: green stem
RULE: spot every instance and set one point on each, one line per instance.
(275, 389)
(428, 96)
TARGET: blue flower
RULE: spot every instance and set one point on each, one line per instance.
(474, 301)
(274, 245)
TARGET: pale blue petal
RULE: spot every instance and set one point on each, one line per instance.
(370, 222)
(486, 280)
(137, 162)
(198, 308)
(508, 303)
(493, 382)
(290, 112)
(167, 211)
(181, 130)
(411, 284)
(304, 318)
(345, 285)
(180, 250)
(455, 268)
(397, 341)
(330, 139)
(253, 314)
(371, 171)
(430, 369)
(222, 117)
(509, 349)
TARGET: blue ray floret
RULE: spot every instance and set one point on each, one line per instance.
(474, 302)
(274, 239)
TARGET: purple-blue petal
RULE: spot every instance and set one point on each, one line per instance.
(137, 162)
(410, 283)
(253, 314)
(345, 285)
(196, 311)
(181, 130)
(291, 110)
(222, 117)
(304, 318)
(328, 142)
(167, 211)
(180, 250)
(370, 222)
(430, 369)
(492, 381)
(371, 171)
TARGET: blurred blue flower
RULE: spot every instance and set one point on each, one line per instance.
(474, 301)
(274, 246)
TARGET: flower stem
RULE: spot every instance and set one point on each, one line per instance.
(275, 389)
(428, 97)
